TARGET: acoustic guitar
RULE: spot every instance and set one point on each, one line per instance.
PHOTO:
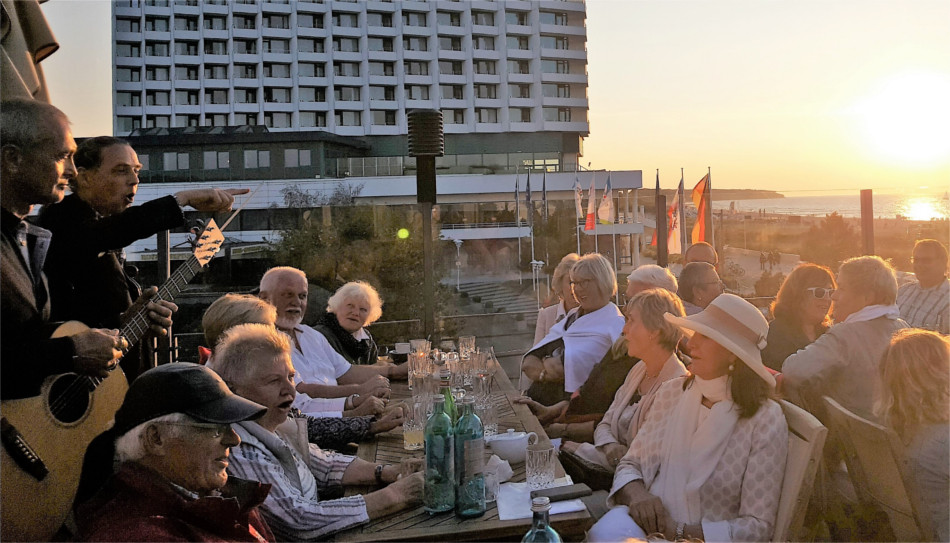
(45, 437)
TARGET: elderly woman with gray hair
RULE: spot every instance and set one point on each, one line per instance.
(352, 308)
(561, 284)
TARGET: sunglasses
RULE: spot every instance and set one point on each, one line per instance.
(821, 292)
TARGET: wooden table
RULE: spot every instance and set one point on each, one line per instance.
(417, 525)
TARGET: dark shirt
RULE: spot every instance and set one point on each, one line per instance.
(785, 338)
(596, 394)
(354, 351)
(27, 353)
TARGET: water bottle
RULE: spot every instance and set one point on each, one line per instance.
(541, 531)
(445, 390)
(469, 462)
(438, 494)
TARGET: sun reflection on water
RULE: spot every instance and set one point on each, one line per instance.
(922, 208)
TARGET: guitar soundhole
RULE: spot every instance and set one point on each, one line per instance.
(69, 398)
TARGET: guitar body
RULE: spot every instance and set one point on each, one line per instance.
(58, 433)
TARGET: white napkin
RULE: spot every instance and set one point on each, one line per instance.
(501, 468)
(514, 501)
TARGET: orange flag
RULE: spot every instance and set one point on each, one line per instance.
(699, 199)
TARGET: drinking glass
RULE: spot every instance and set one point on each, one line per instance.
(413, 426)
(419, 345)
(491, 486)
(539, 465)
(486, 413)
(447, 345)
(418, 365)
(482, 388)
(466, 345)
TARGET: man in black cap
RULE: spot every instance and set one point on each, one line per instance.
(172, 439)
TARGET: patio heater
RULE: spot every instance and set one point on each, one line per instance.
(426, 143)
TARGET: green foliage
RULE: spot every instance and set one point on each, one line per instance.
(830, 242)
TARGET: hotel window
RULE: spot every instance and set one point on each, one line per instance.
(276, 70)
(245, 96)
(380, 44)
(245, 22)
(156, 48)
(218, 119)
(309, 21)
(558, 114)
(519, 90)
(348, 20)
(519, 67)
(518, 42)
(382, 93)
(128, 50)
(215, 23)
(216, 47)
(175, 161)
(560, 90)
(555, 67)
(245, 119)
(186, 97)
(485, 67)
(450, 67)
(346, 69)
(381, 68)
(312, 94)
(186, 23)
(309, 45)
(346, 94)
(452, 92)
(256, 159)
(216, 71)
(448, 18)
(216, 96)
(245, 71)
(277, 119)
(411, 18)
(416, 67)
(453, 116)
(214, 160)
(143, 160)
(276, 95)
(312, 118)
(520, 114)
(417, 92)
(182, 121)
(450, 43)
(553, 18)
(295, 158)
(128, 124)
(128, 74)
(311, 69)
(157, 98)
(188, 73)
(486, 18)
(384, 117)
(413, 43)
(486, 115)
(276, 21)
(483, 42)
(516, 18)
(245, 47)
(554, 42)
(156, 73)
(486, 91)
(379, 19)
(273, 45)
(346, 45)
(156, 24)
(128, 99)
(348, 118)
(128, 25)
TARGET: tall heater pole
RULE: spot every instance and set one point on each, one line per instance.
(426, 143)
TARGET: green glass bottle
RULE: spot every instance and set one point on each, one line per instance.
(445, 389)
(438, 493)
(469, 462)
(541, 530)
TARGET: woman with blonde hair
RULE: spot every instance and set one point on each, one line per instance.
(561, 285)
(916, 404)
(352, 308)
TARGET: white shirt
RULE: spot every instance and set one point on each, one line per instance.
(315, 361)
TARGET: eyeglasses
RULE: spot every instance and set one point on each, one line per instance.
(582, 282)
(216, 430)
(821, 293)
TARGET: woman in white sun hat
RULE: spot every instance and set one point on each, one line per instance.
(709, 457)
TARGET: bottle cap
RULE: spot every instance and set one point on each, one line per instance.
(540, 504)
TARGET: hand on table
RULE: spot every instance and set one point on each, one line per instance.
(408, 490)
(370, 386)
(367, 405)
(387, 422)
(614, 452)
(544, 413)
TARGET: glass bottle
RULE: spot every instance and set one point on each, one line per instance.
(469, 462)
(445, 389)
(541, 531)
(438, 494)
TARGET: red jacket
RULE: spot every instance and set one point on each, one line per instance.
(137, 504)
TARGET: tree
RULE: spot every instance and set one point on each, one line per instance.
(830, 242)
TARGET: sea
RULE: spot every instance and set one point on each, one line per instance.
(921, 207)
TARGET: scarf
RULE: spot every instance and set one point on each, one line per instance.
(692, 449)
(355, 349)
(871, 312)
(671, 368)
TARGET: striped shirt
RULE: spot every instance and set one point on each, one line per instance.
(293, 509)
(926, 307)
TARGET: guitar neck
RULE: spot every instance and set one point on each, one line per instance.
(138, 325)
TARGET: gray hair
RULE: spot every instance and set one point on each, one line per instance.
(242, 346)
(130, 446)
(599, 269)
(652, 304)
(271, 275)
(21, 119)
(871, 275)
(359, 290)
(655, 276)
(691, 277)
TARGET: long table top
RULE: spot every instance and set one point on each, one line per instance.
(417, 525)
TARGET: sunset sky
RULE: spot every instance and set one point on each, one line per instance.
(792, 96)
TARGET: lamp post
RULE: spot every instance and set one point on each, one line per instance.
(458, 264)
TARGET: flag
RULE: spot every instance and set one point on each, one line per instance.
(605, 211)
(544, 194)
(527, 190)
(517, 199)
(699, 199)
(591, 198)
(673, 217)
(578, 197)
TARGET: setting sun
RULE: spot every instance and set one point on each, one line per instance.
(905, 118)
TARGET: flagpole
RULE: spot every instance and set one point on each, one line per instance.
(709, 217)
(682, 212)
(593, 183)
(518, 221)
(613, 235)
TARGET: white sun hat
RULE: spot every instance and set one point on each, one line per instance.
(735, 324)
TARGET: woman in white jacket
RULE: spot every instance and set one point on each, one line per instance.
(561, 283)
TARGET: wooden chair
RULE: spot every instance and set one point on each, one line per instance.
(874, 456)
(806, 439)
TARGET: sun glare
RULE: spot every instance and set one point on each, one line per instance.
(921, 209)
(906, 117)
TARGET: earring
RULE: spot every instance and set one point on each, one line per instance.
(732, 368)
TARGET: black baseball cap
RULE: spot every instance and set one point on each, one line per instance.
(182, 387)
